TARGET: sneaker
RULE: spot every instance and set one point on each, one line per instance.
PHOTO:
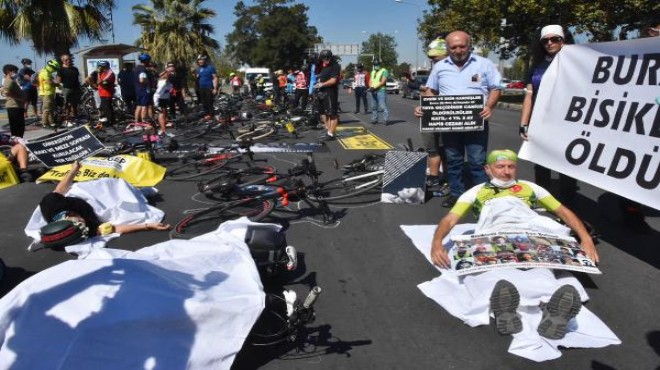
(374, 122)
(564, 305)
(25, 176)
(327, 137)
(449, 202)
(503, 302)
(169, 124)
(169, 134)
(69, 123)
(432, 181)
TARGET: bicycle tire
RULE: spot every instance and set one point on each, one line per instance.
(248, 176)
(339, 188)
(195, 169)
(125, 133)
(258, 133)
(208, 220)
(195, 131)
(253, 127)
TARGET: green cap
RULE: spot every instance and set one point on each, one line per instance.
(500, 154)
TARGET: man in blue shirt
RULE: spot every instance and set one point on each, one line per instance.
(464, 73)
(208, 84)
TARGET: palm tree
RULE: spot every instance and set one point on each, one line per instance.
(53, 26)
(175, 30)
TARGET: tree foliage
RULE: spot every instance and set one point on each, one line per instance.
(53, 26)
(272, 33)
(381, 46)
(597, 20)
(175, 30)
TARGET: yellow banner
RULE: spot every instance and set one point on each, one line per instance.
(136, 171)
(7, 174)
(359, 138)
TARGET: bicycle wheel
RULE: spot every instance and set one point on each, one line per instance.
(195, 131)
(247, 176)
(257, 133)
(208, 220)
(346, 187)
(197, 168)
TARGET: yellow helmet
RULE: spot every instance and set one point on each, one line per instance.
(437, 48)
(269, 102)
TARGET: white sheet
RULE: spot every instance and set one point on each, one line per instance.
(113, 200)
(467, 298)
(174, 305)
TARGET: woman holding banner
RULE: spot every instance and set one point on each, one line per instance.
(551, 42)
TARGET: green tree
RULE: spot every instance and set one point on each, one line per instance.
(512, 27)
(381, 46)
(53, 26)
(272, 33)
(175, 30)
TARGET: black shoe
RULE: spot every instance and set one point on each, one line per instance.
(25, 176)
(503, 302)
(564, 305)
(374, 122)
(327, 137)
(449, 202)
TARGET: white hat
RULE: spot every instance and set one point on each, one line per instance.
(553, 29)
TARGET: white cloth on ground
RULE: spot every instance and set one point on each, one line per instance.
(175, 305)
(113, 200)
(467, 298)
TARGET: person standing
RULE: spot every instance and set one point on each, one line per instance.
(328, 88)
(26, 79)
(208, 84)
(301, 84)
(162, 96)
(143, 90)
(360, 83)
(235, 82)
(464, 73)
(126, 80)
(178, 78)
(377, 87)
(551, 42)
(46, 85)
(69, 78)
(15, 100)
(281, 87)
(432, 141)
(106, 87)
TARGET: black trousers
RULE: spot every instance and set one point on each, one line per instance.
(301, 94)
(107, 111)
(16, 121)
(361, 95)
(206, 99)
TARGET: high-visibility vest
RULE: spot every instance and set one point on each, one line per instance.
(376, 76)
(301, 81)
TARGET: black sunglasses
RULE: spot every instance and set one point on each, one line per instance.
(553, 39)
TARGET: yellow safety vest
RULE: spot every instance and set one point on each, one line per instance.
(376, 76)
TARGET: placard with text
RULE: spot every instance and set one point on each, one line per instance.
(451, 113)
(66, 147)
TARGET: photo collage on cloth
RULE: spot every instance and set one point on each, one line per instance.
(476, 253)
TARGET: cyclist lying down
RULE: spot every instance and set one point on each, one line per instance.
(56, 206)
(504, 203)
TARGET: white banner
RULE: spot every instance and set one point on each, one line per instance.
(597, 117)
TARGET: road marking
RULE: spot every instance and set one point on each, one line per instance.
(359, 138)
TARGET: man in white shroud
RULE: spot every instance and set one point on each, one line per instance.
(506, 204)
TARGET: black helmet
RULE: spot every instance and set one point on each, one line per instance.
(61, 233)
(325, 54)
(377, 62)
(103, 63)
(26, 61)
(313, 57)
(203, 57)
(360, 66)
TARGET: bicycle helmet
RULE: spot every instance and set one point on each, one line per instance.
(144, 57)
(325, 54)
(202, 57)
(313, 57)
(53, 63)
(61, 233)
(103, 63)
(26, 61)
(437, 48)
(377, 62)
(232, 74)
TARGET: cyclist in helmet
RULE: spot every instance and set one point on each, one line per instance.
(46, 87)
(144, 81)
(327, 86)
(56, 206)
(207, 78)
(106, 89)
(235, 82)
(26, 78)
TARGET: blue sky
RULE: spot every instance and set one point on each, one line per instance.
(338, 21)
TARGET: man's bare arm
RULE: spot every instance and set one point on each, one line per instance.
(576, 225)
(438, 252)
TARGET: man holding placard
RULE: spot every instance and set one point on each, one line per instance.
(463, 81)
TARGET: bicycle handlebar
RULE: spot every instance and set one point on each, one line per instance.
(311, 297)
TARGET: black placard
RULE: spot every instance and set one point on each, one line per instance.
(451, 113)
(65, 148)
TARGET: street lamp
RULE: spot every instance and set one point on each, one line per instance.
(416, 36)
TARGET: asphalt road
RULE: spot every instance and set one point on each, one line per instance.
(371, 314)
